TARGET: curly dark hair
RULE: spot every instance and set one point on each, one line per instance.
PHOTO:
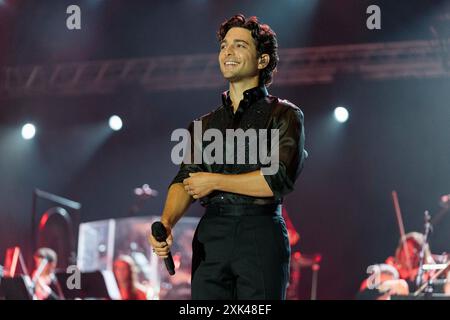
(265, 38)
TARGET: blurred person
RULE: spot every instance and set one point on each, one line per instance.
(293, 235)
(383, 282)
(46, 285)
(407, 258)
(126, 274)
(399, 272)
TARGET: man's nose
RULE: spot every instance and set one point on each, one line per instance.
(229, 51)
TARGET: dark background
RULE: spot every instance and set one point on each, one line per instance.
(397, 137)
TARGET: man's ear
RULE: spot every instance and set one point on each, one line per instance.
(263, 61)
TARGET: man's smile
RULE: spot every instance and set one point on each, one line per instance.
(230, 64)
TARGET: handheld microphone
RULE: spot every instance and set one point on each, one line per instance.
(160, 234)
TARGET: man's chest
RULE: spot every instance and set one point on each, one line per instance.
(237, 142)
(254, 117)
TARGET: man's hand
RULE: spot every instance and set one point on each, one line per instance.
(162, 249)
(200, 184)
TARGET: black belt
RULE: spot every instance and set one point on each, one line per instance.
(237, 210)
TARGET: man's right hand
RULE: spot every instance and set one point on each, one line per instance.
(162, 249)
(177, 202)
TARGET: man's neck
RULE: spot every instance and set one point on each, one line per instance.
(237, 90)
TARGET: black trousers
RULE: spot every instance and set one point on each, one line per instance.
(240, 252)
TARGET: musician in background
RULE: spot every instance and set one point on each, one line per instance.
(46, 286)
(126, 274)
(382, 283)
(292, 292)
(447, 284)
(407, 258)
(406, 263)
(293, 235)
(409, 267)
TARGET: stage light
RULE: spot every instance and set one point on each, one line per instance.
(341, 114)
(28, 131)
(115, 123)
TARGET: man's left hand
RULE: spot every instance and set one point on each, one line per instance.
(200, 184)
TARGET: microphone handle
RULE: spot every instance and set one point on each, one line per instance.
(170, 266)
(160, 234)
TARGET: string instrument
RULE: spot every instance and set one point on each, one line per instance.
(408, 273)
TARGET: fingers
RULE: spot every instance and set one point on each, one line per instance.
(188, 187)
(153, 242)
(162, 252)
(194, 192)
(191, 191)
(162, 249)
(197, 185)
(169, 240)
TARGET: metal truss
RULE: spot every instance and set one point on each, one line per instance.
(299, 66)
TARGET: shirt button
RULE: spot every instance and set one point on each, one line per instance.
(221, 197)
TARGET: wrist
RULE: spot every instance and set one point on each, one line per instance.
(217, 181)
(166, 223)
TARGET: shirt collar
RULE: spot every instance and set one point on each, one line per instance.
(250, 96)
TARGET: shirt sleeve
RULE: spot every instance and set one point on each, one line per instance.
(188, 167)
(291, 152)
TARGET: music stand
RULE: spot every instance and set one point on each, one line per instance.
(93, 285)
(16, 288)
(71, 224)
(422, 296)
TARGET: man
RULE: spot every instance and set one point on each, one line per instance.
(241, 248)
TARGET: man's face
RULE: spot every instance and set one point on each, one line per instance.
(238, 57)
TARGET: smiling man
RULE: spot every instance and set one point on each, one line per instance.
(241, 248)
